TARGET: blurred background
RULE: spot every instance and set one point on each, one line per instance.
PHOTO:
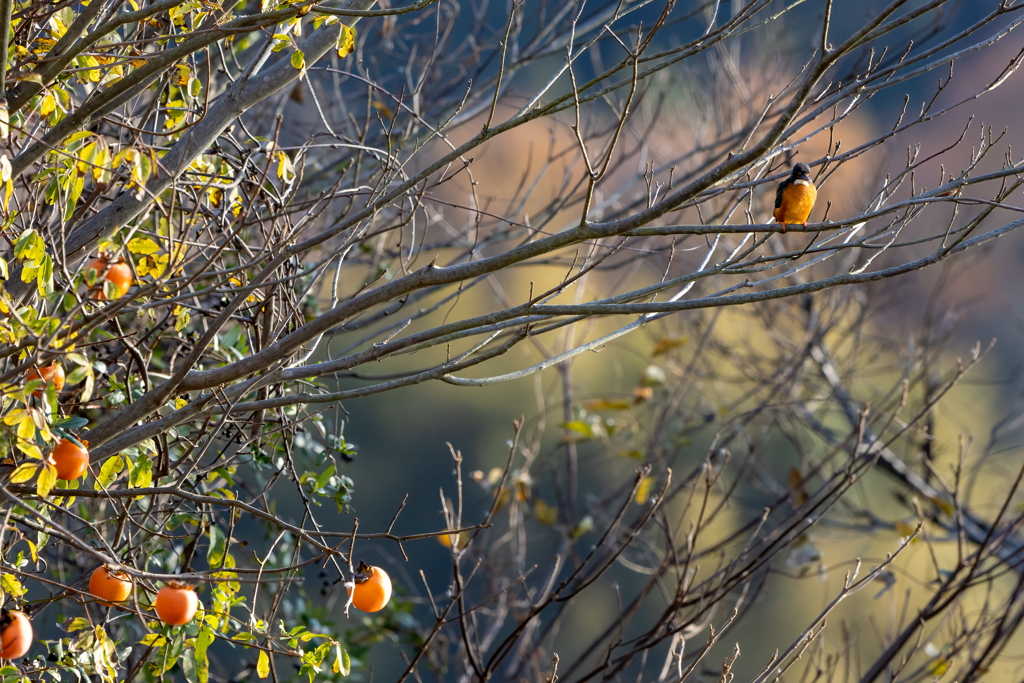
(404, 440)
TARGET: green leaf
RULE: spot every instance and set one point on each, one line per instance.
(342, 664)
(74, 192)
(77, 375)
(203, 641)
(44, 276)
(29, 246)
(188, 667)
(71, 422)
(579, 427)
(142, 473)
(325, 477)
(174, 651)
(299, 62)
(78, 359)
(77, 624)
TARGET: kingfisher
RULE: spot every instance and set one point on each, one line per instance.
(795, 197)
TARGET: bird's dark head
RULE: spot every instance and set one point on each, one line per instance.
(801, 170)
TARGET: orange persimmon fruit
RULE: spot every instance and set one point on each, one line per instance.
(110, 585)
(176, 603)
(15, 634)
(118, 274)
(70, 460)
(50, 374)
(373, 588)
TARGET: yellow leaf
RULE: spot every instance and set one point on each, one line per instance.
(939, 666)
(581, 431)
(30, 449)
(142, 245)
(263, 665)
(383, 109)
(544, 513)
(47, 480)
(181, 76)
(154, 264)
(284, 166)
(943, 505)
(606, 404)
(281, 41)
(494, 476)
(523, 483)
(235, 282)
(86, 156)
(154, 639)
(181, 319)
(88, 74)
(24, 473)
(12, 585)
(42, 45)
(585, 525)
(460, 541)
(346, 41)
(643, 491)
(47, 106)
(99, 170)
(904, 529)
(796, 487)
(667, 344)
(504, 495)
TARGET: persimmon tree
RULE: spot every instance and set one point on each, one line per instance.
(298, 206)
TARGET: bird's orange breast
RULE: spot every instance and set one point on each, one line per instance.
(797, 201)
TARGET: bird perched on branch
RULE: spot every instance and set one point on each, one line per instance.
(795, 197)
